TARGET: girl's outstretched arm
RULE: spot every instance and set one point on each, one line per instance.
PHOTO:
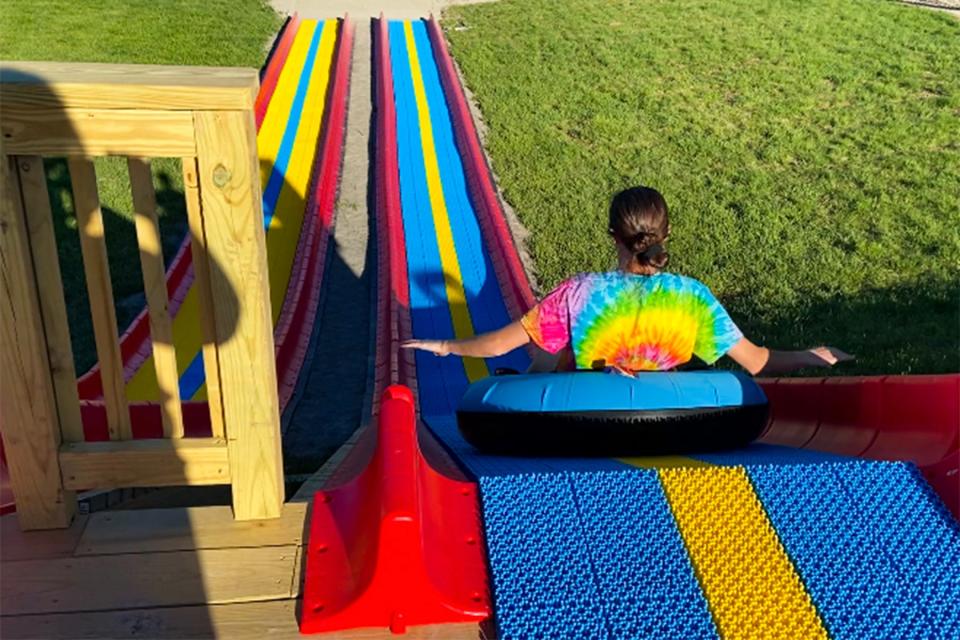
(485, 345)
(760, 361)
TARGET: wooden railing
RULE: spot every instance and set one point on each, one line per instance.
(205, 117)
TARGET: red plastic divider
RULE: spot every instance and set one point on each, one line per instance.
(398, 545)
(397, 542)
(493, 224)
(915, 418)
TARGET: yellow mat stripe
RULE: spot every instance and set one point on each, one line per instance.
(751, 585)
(289, 210)
(476, 368)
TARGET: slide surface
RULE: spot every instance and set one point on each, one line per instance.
(300, 116)
(765, 542)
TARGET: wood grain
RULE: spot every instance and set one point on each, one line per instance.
(150, 530)
(201, 280)
(145, 463)
(28, 412)
(52, 131)
(93, 246)
(43, 243)
(155, 289)
(126, 86)
(276, 620)
(127, 581)
(34, 545)
(233, 222)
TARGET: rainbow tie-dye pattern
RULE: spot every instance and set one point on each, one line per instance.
(632, 322)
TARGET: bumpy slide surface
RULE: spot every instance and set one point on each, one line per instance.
(765, 542)
(300, 113)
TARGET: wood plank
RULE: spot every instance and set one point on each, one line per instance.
(28, 412)
(128, 581)
(201, 271)
(233, 223)
(34, 545)
(126, 86)
(144, 463)
(151, 530)
(46, 260)
(155, 289)
(51, 131)
(274, 620)
(86, 203)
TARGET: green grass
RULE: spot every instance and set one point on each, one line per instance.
(809, 151)
(215, 33)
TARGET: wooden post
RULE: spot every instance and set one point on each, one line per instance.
(198, 250)
(236, 252)
(28, 411)
(43, 243)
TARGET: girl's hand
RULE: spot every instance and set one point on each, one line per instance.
(830, 356)
(437, 347)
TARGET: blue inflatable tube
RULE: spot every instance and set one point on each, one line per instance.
(596, 413)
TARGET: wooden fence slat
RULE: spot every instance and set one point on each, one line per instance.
(155, 288)
(98, 583)
(236, 249)
(49, 131)
(201, 271)
(28, 412)
(155, 462)
(86, 203)
(91, 85)
(43, 244)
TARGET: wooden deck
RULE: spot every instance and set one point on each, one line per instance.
(164, 573)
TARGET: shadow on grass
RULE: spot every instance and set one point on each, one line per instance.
(912, 328)
(121, 237)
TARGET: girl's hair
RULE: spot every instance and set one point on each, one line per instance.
(639, 219)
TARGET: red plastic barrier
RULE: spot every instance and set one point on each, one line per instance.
(399, 545)
(915, 418)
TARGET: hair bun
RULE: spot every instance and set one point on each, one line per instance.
(654, 255)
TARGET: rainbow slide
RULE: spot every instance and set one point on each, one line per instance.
(837, 535)
(300, 113)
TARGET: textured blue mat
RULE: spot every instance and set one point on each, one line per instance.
(877, 550)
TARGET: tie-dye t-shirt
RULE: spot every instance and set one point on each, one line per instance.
(634, 322)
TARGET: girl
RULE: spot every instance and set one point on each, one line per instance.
(637, 318)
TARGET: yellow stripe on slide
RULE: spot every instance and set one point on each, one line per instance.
(476, 368)
(283, 234)
(275, 119)
(751, 585)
